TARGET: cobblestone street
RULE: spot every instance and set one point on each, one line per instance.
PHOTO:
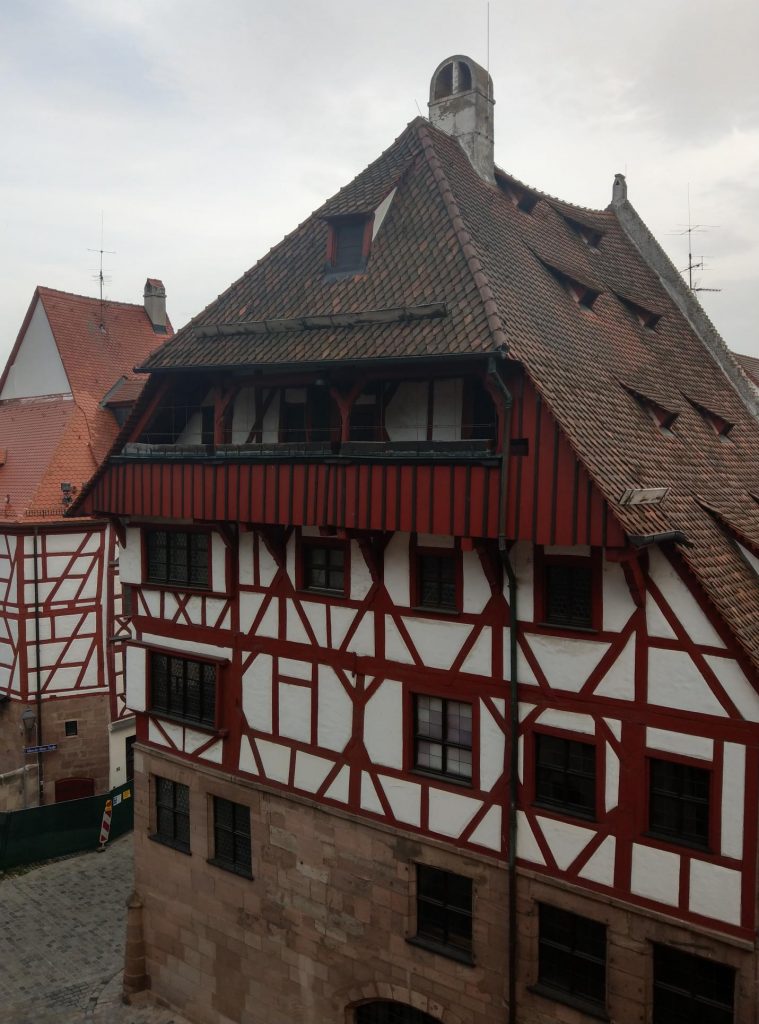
(62, 942)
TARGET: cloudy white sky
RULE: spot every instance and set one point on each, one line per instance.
(204, 130)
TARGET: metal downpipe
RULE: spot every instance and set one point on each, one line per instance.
(513, 748)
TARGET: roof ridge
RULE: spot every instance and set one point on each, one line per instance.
(43, 289)
(596, 211)
(464, 237)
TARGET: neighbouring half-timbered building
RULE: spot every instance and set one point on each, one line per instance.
(66, 389)
(441, 538)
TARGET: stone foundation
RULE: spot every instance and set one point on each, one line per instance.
(83, 756)
(324, 923)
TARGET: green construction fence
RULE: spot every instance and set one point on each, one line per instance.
(55, 830)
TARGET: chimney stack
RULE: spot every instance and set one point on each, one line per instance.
(461, 104)
(155, 304)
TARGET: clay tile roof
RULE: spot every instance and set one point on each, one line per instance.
(450, 237)
(751, 366)
(57, 439)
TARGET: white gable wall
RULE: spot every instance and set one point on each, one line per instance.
(37, 369)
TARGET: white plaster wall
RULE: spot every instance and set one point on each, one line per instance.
(566, 841)
(117, 737)
(245, 558)
(618, 605)
(736, 686)
(193, 431)
(335, 711)
(130, 557)
(437, 643)
(600, 867)
(397, 570)
(680, 743)
(522, 563)
(310, 771)
(243, 415)
(361, 579)
(681, 601)
(406, 414)
(295, 712)
(136, 675)
(733, 798)
(405, 799)
(476, 586)
(492, 749)
(566, 662)
(383, 725)
(275, 759)
(37, 369)
(186, 647)
(655, 874)
(449, 813)
(715, 892)
(675, 682)
(446, 409)
(381, 212)
(257, 693)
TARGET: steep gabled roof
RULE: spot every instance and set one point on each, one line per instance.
(513, 275)
(53, 439)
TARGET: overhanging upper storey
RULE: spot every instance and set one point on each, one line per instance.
(404, 446)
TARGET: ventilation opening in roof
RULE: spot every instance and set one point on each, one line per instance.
(645, 317)
(582, 294)
(522, 198)
(719, 424)
(663, 418)
(591, 236)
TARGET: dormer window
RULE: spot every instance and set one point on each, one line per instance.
(663, 418)
(348, 244)
(591, 236)
(582, 294)
(719, 424)
(645, 317)
(522, 198)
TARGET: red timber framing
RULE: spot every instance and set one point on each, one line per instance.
(288, 652)
(551, 498)
(268, 624)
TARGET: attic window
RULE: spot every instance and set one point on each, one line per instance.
(348, 244)
(583, 294)
(719, 424)
(522, 198)
(663, 418)
(644, 316)
(591, 236)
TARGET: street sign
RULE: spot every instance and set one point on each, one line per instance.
(45, 748)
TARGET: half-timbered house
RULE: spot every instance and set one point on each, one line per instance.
(440, 529)
(67, 386)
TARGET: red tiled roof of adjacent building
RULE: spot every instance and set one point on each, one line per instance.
(54, 439)
(506, 276)
(750, 366)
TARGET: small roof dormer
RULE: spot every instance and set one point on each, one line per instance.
(461, 104)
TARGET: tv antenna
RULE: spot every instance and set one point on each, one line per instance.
(98, 274)
(698, 264)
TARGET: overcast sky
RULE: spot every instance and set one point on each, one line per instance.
(204, 130)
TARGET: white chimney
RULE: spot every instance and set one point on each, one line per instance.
(155, 304)
(461, 104)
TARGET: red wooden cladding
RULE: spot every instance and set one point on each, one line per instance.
(550, 497)
(562, 508)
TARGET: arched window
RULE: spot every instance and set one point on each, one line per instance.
(384, 1012)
